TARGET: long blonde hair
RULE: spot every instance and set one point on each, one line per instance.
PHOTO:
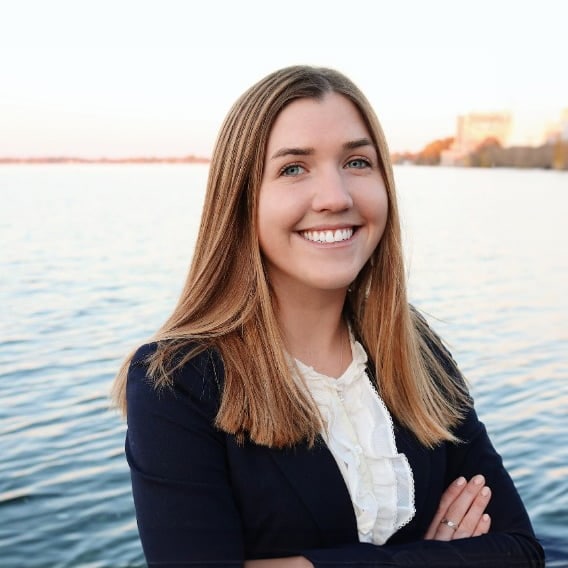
(227, 304)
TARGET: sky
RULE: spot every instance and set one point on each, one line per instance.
(130, 78)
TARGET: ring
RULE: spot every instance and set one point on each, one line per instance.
(450, 524)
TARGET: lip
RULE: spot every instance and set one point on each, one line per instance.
(335, 227)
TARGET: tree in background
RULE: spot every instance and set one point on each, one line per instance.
(430, 154)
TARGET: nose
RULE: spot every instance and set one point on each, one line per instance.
(332, 193)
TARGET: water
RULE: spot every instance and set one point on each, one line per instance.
(93, 258)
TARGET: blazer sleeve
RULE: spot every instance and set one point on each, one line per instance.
(185, 511)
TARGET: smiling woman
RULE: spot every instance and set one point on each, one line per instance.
(295, 410)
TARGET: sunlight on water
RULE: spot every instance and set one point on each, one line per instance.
(94, 257)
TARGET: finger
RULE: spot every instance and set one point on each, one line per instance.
(449, 496)
(471, 519)
(458, 509)
(483, 526)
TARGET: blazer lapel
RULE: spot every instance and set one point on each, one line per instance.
(314, 475)
(419, 459)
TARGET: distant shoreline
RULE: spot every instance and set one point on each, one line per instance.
(132, 160)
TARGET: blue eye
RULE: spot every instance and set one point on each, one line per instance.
(358, 163)
(292, 170)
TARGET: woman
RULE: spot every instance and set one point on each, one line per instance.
(294, 410)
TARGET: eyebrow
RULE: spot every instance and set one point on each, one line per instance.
(351, 145)
(354, 144)
(293, 152)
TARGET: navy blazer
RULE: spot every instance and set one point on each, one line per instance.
(203, 499)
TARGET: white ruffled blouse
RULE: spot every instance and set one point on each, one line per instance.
(359, 433)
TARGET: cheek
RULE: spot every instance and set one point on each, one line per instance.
(279, 211)
(376, 207)
(269, 222)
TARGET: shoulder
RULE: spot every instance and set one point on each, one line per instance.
(196, 373)
(170, 421)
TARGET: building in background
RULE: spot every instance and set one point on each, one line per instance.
(473, 130)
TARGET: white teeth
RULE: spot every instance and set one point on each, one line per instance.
(328, 236)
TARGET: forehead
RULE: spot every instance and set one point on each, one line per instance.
(308, 121)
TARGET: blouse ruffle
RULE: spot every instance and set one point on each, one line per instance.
(360, 435)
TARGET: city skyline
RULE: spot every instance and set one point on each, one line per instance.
(544, 133)
(149, 79)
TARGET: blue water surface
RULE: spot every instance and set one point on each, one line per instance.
(92, 261)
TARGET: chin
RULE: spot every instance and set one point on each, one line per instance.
(331, 284)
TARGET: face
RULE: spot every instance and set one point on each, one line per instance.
(323, 204)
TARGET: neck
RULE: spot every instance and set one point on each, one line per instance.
(315, 331)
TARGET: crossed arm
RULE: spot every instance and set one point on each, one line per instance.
(463, 504)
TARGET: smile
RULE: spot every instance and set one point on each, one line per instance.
(328, 236)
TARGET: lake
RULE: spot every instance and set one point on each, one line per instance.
(93, 258)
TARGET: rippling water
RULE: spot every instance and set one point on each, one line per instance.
(93, 258)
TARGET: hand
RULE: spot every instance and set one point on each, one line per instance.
(462, 505)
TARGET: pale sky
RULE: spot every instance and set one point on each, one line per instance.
(119, 78)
